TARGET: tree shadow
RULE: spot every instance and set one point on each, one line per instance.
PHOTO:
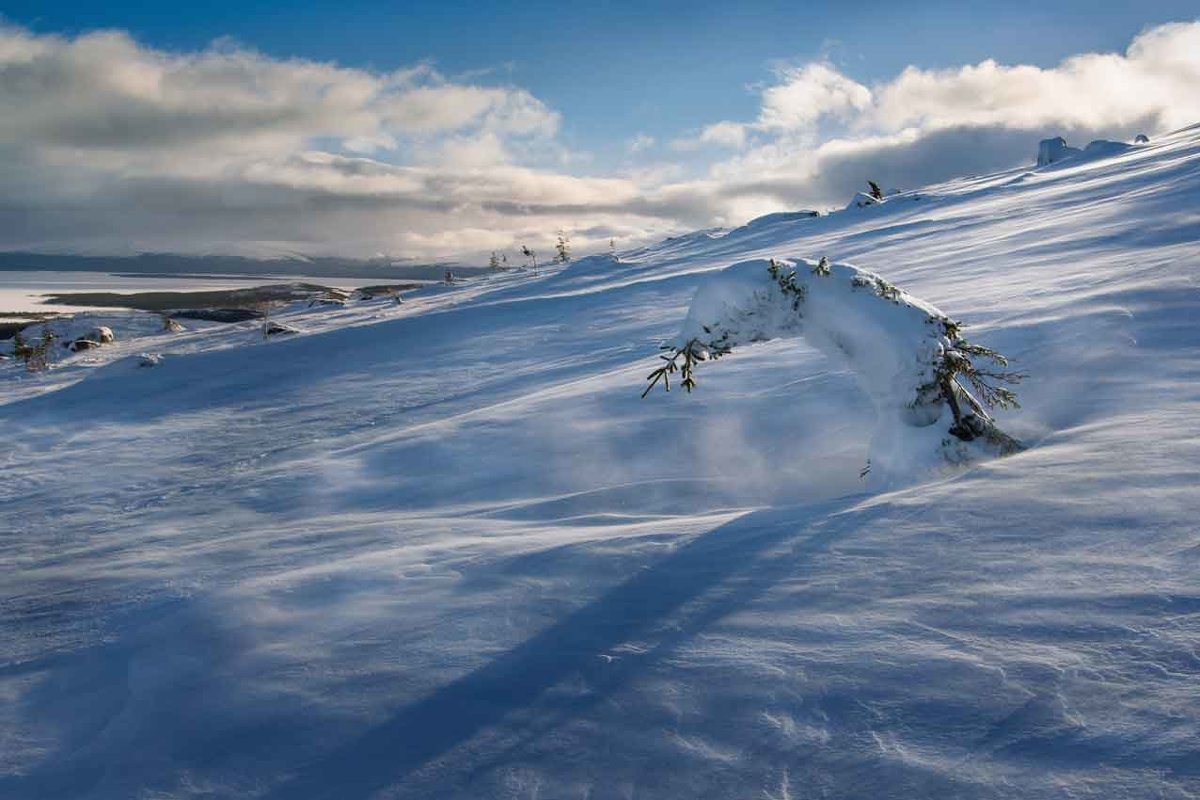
(668, 601)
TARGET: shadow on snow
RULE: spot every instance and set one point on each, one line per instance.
(670, 601)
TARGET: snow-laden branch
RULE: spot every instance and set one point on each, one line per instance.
(930, 387)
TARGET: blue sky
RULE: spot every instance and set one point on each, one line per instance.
(449, 129)
(614, 69)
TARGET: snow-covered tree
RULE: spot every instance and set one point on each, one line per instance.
(931, 388)
(21, 349)
(36, 357)
(562, 248)
(494, 261)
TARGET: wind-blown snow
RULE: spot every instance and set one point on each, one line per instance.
(442, 549)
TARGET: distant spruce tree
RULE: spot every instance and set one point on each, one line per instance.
(44, 349)
(876, 192)
(562, 249)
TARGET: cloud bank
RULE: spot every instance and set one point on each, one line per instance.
(110, 146)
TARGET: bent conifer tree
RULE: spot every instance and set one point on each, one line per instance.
(932, 389)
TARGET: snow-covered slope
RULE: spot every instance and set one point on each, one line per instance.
(443, 550)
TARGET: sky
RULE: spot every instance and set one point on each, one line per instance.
(427, 130)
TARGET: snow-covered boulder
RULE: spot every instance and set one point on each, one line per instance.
(1051, 151)
(1055, 149)
(906, 354)
(102, 334)
(1103, 148)
(149, 359)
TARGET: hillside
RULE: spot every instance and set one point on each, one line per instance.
(443, 549)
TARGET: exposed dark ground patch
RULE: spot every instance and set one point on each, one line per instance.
(216, 305)
(212, 298)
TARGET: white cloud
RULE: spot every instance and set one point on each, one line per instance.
(725, 134)
(1156, 78)
(639, 143)
(801, 97)
(806, 94)
(104, 91)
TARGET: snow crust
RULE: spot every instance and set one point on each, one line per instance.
(443, 549)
